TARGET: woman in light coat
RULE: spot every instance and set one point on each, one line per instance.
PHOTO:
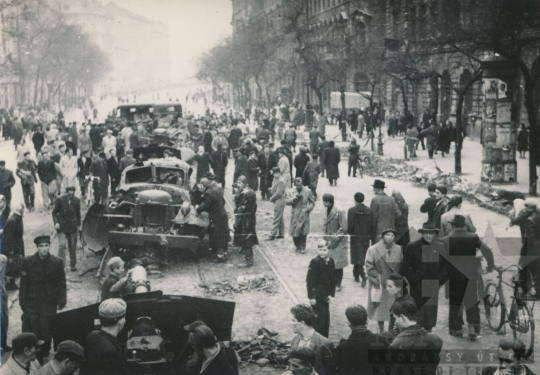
(335, 230)
(382, 259)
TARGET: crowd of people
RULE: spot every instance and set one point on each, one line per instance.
(403, 275)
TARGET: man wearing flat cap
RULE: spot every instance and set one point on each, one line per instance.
(385, 209)
(103, 353)
(67, 221)
(23, 361)
(462, 268)
(424, 266)
(42, 292)
(66, 360)
(302, 361)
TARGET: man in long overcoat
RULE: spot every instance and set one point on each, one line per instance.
(67, 220)
(460, 248)
(360, 228)
(321, 148)
(99, 169)
(284, 167)
(13, 245)
(314, 136)
(301, 199)
(424, 266)
(385, 209)
(300, 162)
(266, 161)
(432, 135)
(218, 231)
(43, 291)
(335, 234)
(253, 175)
(241, 164)
(219, 163)
(311, 174)
(331, 161)
(245, 235)
(277, 197)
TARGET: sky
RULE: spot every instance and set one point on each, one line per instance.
(194, 27)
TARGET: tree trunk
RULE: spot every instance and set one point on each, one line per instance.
(319, 99)
(459, 138)
(343, 108)
(534, 137)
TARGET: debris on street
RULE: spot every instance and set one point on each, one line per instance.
(243, 283)
(263, 350)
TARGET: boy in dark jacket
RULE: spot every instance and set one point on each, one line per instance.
(116, 265)
(321, 287)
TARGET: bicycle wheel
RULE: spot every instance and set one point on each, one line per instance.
(494, 306)
(522, 324)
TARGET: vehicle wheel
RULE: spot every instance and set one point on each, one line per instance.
(522, 324)
(494, 306)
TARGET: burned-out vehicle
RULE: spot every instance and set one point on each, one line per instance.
(154, 338)
(145, 216)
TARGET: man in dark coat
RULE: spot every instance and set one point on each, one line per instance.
(101, 186)
(403, 351)
(219, 164)
(38, 139)
(48, 176)
(267, 161)
(13, 245)
(360, 228)
(253, 175)
(43, 291)
(424, 266)
(67, 220)
(241, 165)
(331, 161)
(103, 352)
(354, 151)
(300, 162)
(7, 181)
(218, 230)
(84, 163)
(113, 168)
(322, 146)
(352, 353)
(95, 137)
(245, 235)
(430, 203)
(234, 137)
(463, 275)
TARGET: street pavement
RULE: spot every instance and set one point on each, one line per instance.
(292, 267)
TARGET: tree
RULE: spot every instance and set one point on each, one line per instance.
(509, 29)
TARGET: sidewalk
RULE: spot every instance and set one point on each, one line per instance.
(471, 157)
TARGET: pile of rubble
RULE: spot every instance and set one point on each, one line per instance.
(242, 284)
(483, 194)
(265, 349)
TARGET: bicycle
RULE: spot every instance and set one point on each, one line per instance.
(365, 161)
(520, 316)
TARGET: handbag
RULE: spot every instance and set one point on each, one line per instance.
(376, 294)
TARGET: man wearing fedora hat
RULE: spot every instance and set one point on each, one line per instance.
(463, 273)
(42, 292)
(425, 268)
(384, 208)
(23, 361)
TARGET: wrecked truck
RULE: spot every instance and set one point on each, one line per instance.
(150, 215)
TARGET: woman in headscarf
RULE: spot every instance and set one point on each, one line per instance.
(382, 259)
(402, 222)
